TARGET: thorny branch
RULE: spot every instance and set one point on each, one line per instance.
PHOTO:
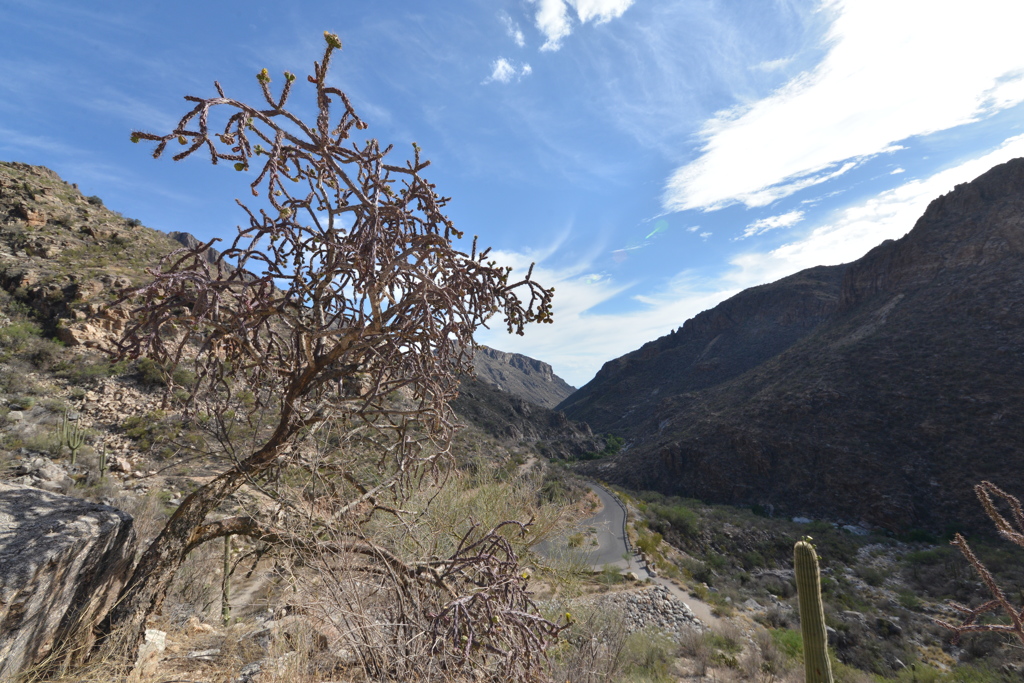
(986, 490)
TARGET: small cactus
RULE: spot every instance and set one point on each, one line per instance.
(225, 587)
(71, 435)
(103, 460)
(817, 667)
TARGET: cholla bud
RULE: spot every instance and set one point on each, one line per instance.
(239, 166)
(332, 40)
(263, 76)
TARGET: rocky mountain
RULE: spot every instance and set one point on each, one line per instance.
(520, 376)
(879, 391)
(511, 417)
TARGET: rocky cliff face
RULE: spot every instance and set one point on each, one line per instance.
(512, 418)
(880, 393)
(709, 349)
(520, 376)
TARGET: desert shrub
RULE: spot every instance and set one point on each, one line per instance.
(593, 650)
(15, 337)
(872, 576)
(154, 431)
(22, 403)
(648, 655)
(87, 369)
(150, 372)
(94, 200)
(682, 519)
(648, 542)
(560, 488)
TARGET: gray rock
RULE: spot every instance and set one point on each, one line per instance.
(62, 562)
(43, 473)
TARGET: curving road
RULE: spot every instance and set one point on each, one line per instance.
(606, 529)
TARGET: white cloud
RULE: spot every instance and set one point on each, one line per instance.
(504, 71)
(513, 30)
(600, 11)
(553, 21)
(894, 70)
(773, 65)
(853, 231)
(763, 225)
(580, 340)
(897, 171)
(552, 17)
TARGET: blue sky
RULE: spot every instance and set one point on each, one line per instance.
(652, 157)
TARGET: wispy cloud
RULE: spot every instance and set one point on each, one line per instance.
(889, 75)
(763, 225)
(581, 339)
(513, 30)
(773, 65)
(552, 16)
(504, 71)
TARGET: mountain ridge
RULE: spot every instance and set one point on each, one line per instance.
(886, 411)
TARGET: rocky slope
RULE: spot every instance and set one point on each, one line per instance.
(512, 418)
(520, 376)
(711, 348)
(876, 392)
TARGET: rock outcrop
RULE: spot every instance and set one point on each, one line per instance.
(879, 391)
(66, 256)
(520, 376)
(62, 562)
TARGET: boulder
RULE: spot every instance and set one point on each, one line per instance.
(62, 563)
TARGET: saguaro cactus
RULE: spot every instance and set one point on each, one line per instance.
(71, 435)
(812, 613)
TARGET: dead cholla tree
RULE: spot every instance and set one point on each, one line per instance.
(1014, 533)
(343, 289)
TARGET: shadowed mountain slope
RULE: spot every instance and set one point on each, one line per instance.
(880, 391)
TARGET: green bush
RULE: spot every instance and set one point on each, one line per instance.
(789, 641)
(648, 542)
(682, 519)
(150, 372)
(648, 655)
(87, 369)
(94, 200)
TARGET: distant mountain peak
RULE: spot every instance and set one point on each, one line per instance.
(521, 376)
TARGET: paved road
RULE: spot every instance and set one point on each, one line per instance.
(607, 527)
